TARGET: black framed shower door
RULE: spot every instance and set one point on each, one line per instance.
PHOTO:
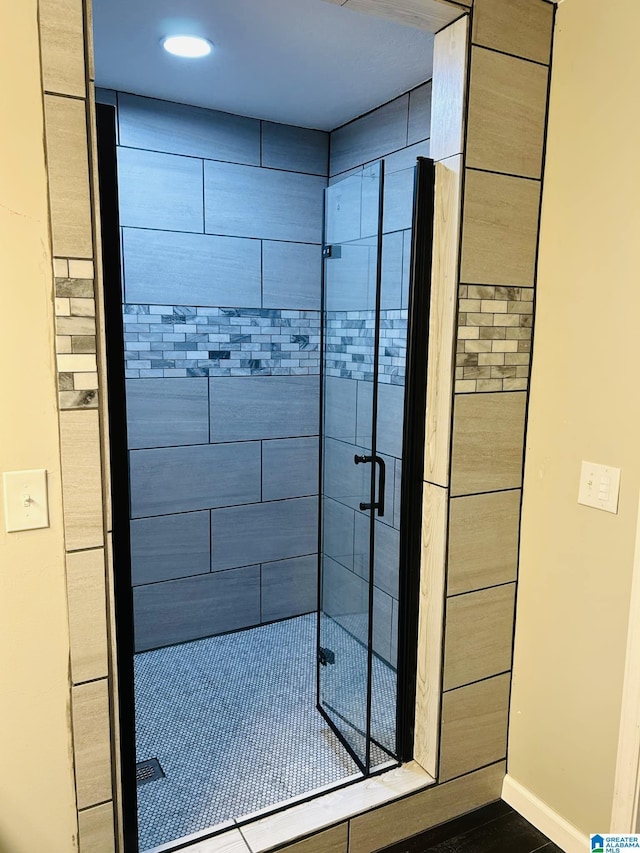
(371, 192)
(373, 392)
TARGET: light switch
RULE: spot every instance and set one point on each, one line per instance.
(599, 486)
(25, 500)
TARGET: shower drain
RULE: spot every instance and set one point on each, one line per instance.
(148, 771)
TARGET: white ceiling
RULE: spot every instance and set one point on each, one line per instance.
(302, 62)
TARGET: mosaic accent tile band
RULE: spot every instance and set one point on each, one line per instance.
(494, 338)
(75, 311)
(179, 340)
(349, 345)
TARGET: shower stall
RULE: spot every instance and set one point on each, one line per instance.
(267, 297)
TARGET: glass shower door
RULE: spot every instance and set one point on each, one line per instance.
(352, 475)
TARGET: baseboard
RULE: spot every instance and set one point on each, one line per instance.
(555, 827)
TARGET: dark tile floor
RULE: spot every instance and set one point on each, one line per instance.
(496, 828)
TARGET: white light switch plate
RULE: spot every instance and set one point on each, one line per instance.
(599, 486)
(25, 500)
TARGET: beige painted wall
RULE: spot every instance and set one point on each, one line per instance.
(37, 801)
(575, 565)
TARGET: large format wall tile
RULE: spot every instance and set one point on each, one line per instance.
(263, 532)
(372, 136)
(382, 626)
(479, 633)
(179, 479)
(97, 830)
(386, 563)
(483, 541)
(295, 149)
(338, 532)
(243, 201)
(474, 726)
(345, 595)
(169, 547)
(419, 114)
(390, 417)
(398, 200)
(81, 480)
(291, 276)
(289, 468)
(87, 617)
(507, 110)
(181, 610)
(350, 279)
(62, 47)
(180, 129)
(222, 271)
(68, 171)
(339, 404)
(449, 90)
(343, 211)
(167, 412)
(392, 283)
(519, 27)
(500, 229)
(255, 407)
(92, 748)
(289, 587)
(488, 442)
(160, 191)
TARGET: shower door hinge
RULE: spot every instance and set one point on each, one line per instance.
(331, 251)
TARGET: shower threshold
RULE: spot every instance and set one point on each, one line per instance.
(233, 722)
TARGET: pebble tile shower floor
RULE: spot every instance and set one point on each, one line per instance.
(233, 721)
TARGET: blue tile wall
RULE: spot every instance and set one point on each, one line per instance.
(174, 268)
(261, 407)
(167, 412)
(295, 149)
(160, 191)
(180, 610)
(340, 398)
(224, 503)
(372, 136)
(291, 275)
(263, 532)
(180, 479)
(419, 114)
(241, 301)
(338, 532)
(169, 547)
(271, 204)
(289, 468)
(289, 587)
(179, 129)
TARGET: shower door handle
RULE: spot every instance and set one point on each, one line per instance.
(382, 477)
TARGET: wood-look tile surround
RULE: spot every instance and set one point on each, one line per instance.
(520, 28)
(504, 142)
(66, 83)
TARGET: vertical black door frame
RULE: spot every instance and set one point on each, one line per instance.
(413, 454)
(374, 456)
(118, 445)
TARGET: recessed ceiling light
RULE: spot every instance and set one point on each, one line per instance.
(189, 46)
